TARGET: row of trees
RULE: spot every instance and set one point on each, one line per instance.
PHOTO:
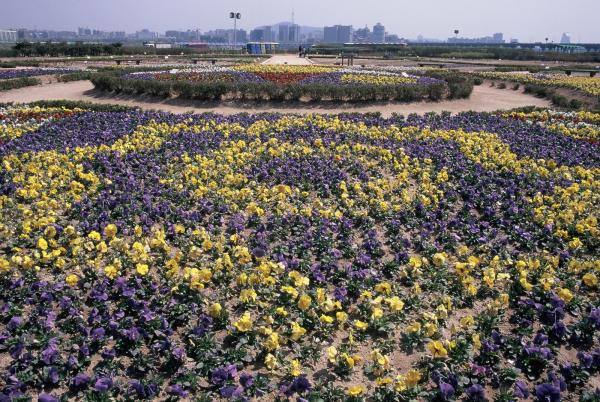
(81, 49)
(457, 51)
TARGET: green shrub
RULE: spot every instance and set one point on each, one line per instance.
(96, 107)
(538, 90)
(77, 76)
(477, 81)
(15, 83)
(19, 63)
(460, 85)
(559, 100)
(502, 85)
(575, 104)
(516, 86)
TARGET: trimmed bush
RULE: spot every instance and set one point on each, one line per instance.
(15, 83)
(78, 76)
(96, 107)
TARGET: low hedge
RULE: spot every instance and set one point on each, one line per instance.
(77, 76)
(556, 98)
(15, 83)
(19, 63)
(460, 85)
(213, 91)
(96, 107)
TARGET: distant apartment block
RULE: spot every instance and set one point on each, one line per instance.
(146, 34)
(379, 33)
(8, 36)
(497, 38)
(263, 34)
(289, 33)
(337, 34)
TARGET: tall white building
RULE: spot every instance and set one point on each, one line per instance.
(565, 39)
(8, 36)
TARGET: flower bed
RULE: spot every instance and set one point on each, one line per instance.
(147, 255)
(278, 82)
(6, 74)
(580, 125)
(586, 85)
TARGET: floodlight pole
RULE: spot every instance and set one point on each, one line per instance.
(235, 16)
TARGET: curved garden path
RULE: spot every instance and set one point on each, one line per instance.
(483, 99)
(290, 59)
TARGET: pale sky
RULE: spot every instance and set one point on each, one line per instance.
(527, 20)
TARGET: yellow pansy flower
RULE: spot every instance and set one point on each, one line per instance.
(437, 349)
(360, 325)
(326, 319)
(95, 236)
(42, 244)
(72, 280)
(341, 316)
(304, 302)
(110, 271)
(272, 342)
(439, 259)
(355, 390)
(295, 368)
(271, 362)
(142, 269)
(244, 324)
(110, 230)
(395, 303)
(297, 331)
(215, 310)
(565, 294)
(413, 377)
(331, 354)
(590, 280)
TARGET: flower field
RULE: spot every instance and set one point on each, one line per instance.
(287, 74)
(586, 85)
(6, 74)
(147, 255)
(284, 83)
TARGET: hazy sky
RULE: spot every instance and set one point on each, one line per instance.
(527, 20)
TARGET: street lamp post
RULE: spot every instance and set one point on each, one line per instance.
(235, 16)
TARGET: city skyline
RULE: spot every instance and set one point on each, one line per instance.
(530, 21)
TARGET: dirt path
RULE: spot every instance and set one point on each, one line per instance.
(483, 99)
(290, 59)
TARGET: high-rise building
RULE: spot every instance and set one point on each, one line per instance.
(269, 34)
(330, 34)
(289, 33)
(146, 34)
(338, 34)
(498, 37)
(262, 34)
(363, 35)
(379, 33)
(344, 33)
(565, 39)
(284, 32)
(8, 36)
(294, 33)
